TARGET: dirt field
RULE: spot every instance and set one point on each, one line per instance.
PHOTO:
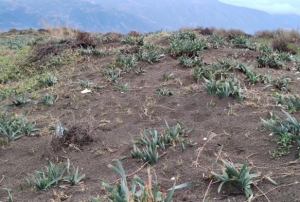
(226, 128)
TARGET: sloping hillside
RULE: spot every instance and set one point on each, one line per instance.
(167, 107)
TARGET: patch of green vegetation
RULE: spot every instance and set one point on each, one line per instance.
(150, 53)
(190, 48)
(54, 175)
(287, 130)
(133, 40)
(111, 74)
(92, 51)
(126, 62)
(273, 59)
(47, 99)
(163, 91)
(168, 76)
(13, 127)
(282, 83)
(139, 190)
(238, 175)
(224, 87)
(290, 102)
(171, 136)
(186, 61)
(16, 43)
(216, 40)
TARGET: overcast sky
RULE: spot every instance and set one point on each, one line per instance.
(270, 6)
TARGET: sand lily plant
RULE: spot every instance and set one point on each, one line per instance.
(54, 175)
(172, 136)
(286, 130)
(291, 102)
(238, 175)
(47, 99)
(13, 127)
(139, 190)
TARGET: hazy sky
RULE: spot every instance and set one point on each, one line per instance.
(270, 6)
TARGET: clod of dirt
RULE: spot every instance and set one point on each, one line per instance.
(206, 32)
(85, 40)
(134, 34)
(43, 51)
(76, 136)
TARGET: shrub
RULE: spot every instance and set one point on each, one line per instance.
(280, 44)
(228, 34)
(264, 34)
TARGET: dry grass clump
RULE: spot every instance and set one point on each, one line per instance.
(207, 31)
(134, 34)
(85, 40)
(264, 34)
(282, 39)
(289, 36)
(280, 44)
(61, 32)
(57, 31)
(286, 40)
(229, 34)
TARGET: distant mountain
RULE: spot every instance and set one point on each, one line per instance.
(141, 15)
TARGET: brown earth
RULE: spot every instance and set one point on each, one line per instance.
(233, 129)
